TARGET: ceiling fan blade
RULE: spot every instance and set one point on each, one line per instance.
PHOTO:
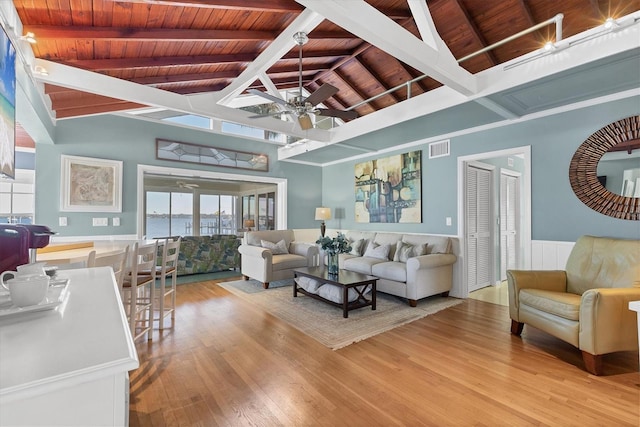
(325, 91)
(344, 115)
(305, 122)
(269, 97)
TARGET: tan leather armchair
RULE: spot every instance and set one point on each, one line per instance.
(585, 305)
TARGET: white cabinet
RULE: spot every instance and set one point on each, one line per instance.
(69, 366)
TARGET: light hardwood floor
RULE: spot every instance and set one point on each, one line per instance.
(228, 363)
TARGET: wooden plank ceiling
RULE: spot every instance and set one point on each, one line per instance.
(192, 46)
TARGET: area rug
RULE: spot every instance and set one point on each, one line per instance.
(324, 322)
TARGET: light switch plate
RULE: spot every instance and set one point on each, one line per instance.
(62, 221)
(115, 221)
(448, 221)
(100, 222)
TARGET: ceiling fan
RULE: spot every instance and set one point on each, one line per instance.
(301, 107)
(186, 185)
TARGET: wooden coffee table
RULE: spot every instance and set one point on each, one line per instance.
(344, 279)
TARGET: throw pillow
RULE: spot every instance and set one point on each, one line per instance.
(356, 247)
(377, 251)
(404, 251)
(276, 248)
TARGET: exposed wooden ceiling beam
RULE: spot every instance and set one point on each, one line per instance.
(144, 34)
(45, 32)
(283, 6)
(172, 61)
(475, 32)
(526, 11)
(378, 80)
(369, 24)
(81, 100)
(363, 96)
(185, 78)
(100, 109)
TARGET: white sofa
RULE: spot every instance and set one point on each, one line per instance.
(416, 278)
(266, 265)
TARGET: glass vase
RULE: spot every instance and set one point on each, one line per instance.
(332, 263)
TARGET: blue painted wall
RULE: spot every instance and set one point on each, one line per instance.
(133, 142)
(557, 214)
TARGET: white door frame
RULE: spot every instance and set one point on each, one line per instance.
(525, 225)
(281, 193)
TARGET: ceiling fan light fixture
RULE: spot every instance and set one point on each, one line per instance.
(300, 38)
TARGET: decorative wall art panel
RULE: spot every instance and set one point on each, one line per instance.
(90, 185)
(389, 189)
(212, 156)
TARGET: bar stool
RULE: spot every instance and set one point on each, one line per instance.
(168, 267)
(139, 289)
(118, 262)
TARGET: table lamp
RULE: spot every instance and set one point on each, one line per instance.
(249, 223)
(321, 215)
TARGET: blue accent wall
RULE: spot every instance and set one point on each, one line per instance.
(133, 142)
(557, 214)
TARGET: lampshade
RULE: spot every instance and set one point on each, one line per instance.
(323, 213)
(248, 223)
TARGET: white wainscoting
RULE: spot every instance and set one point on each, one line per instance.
(550, 255)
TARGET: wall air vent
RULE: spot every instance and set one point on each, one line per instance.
(439, 149)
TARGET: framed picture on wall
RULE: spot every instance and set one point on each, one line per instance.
(90, 185)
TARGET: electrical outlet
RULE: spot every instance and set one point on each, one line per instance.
(448, 221)
(62, 221)
(100, 222)
(115, 221)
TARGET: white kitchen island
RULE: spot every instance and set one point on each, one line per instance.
(69, 366)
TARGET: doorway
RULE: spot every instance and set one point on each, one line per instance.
(476, 266)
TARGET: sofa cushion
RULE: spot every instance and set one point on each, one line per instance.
(391, 270)
(288, 261)
(278, 248)
(563, 304)
(404, 251)
(360, 264)
(375, 250)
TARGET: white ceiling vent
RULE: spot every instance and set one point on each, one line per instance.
(439, 149)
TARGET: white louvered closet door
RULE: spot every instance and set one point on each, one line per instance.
(479, 228)
(509, 214)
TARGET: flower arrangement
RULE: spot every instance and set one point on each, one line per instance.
(337, 245)
(333, 247)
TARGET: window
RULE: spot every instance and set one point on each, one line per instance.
(17, 204)
(267, 210)
(248, 208)
(175, 213)
(217, 214)
(168, 214)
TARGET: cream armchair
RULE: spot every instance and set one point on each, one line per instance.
(587, 304)
(267, 265)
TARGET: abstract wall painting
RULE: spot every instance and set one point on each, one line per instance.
(389, 190)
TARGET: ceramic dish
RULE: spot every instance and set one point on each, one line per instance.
(56, 295)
